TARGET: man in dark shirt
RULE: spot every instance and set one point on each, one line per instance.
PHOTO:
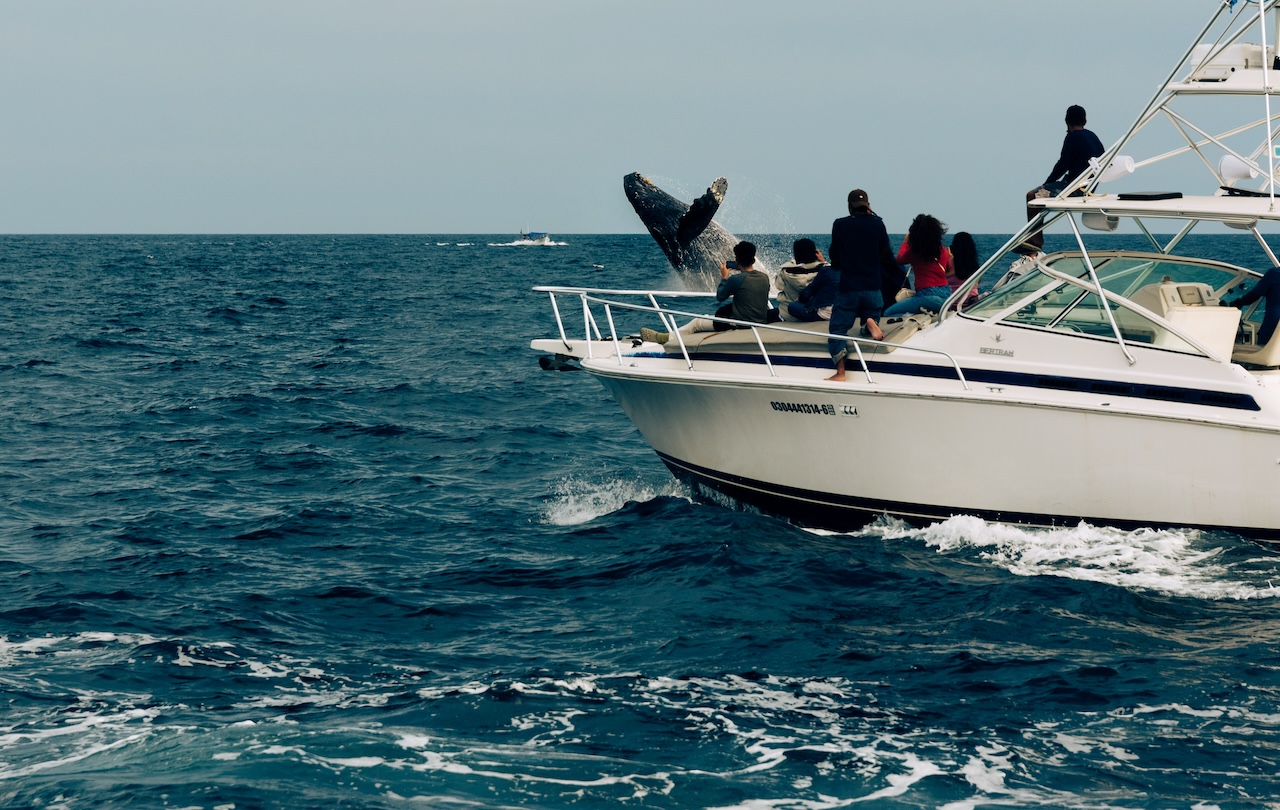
(1078, 147)
(859, 251)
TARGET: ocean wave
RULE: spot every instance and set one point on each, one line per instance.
(727, 740)
(1177, 562)
(575, 501)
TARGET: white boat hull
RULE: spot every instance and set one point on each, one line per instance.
(830, 457)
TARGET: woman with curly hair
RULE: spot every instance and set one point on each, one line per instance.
(930, 261)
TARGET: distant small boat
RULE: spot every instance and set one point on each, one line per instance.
(535, 238)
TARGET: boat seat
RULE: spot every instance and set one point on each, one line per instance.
(896, 330)
(1265, 356)
(1192, 307)
(743, 340)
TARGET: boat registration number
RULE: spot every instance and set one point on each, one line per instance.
(823, 409)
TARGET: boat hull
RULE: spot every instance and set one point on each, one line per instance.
(834, 456)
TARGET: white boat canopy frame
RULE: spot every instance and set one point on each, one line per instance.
(1219, 62)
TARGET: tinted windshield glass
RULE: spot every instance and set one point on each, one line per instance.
(1064, 307)
(1126, 274)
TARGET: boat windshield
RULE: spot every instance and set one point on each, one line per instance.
(1043, 301)
(1126, 273)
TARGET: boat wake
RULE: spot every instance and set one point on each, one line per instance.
(576, 501)
(1182, 562)
(527, 243)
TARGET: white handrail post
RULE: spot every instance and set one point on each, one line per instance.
(586, 326)
(684, 350)
(668, 323)
(613, 333)
(862, 360)
(759, 342)
(555, 308)
(1102, 296)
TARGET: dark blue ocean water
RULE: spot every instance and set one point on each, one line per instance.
(298, 522)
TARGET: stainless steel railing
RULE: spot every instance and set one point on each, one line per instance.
(589, 296)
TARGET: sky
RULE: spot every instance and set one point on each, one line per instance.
(495, 116)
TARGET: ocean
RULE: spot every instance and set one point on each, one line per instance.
(298, 522)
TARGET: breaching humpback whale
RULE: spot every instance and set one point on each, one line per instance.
(695, 245)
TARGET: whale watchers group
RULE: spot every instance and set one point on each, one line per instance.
(863, 280)
(862, 275)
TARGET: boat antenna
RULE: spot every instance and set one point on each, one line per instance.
(1153, 105)
(1266, 99)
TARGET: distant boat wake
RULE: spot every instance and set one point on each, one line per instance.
(527, 243)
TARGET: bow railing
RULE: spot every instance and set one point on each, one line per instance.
(667, 315)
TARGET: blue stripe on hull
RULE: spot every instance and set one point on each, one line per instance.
(1084, 385)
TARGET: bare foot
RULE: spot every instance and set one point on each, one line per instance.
(838, 377)
(876, 332)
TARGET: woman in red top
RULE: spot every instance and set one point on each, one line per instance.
(930, 262)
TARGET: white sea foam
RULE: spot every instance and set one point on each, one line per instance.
(1181, 562)
(69, 646)
(576, 501)
(526, 243)
(748, 726)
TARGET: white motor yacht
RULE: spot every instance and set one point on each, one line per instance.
(1103, 385)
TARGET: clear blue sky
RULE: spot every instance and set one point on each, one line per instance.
(488, 116)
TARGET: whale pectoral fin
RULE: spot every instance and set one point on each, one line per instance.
(699, 216)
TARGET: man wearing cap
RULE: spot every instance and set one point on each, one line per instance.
(860, 252)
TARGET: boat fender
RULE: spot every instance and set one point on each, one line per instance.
(558, 362)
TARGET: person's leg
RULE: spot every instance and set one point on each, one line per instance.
(1035, 242)
(839, 375)
(725, 311)
(842, 318)
(1270, 317)
(797, 311)
(871, 303)
(931, 299)
(907, 306)
(691, 328)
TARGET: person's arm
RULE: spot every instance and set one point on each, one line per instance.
(904, 252)
(1268, 284)
(728, 286)
(1064, 160)
(803, 295)
(887, 262)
